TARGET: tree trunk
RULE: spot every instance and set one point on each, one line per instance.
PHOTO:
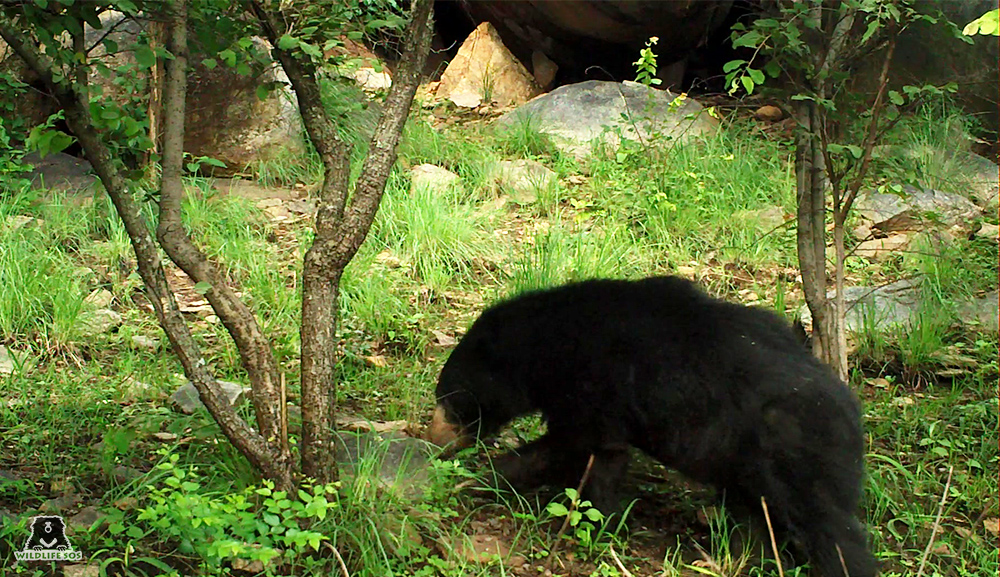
(340, 228)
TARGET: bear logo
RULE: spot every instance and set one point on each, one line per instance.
(48, 533)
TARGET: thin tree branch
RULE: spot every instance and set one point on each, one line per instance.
(870, 138)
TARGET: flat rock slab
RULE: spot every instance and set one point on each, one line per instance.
(951, 208)
(577, 114)
(898, 305)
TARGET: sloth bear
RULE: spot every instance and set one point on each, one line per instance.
(725, 394)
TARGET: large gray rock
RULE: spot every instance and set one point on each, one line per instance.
(577, 114)
(898, 305)
(950, 208)
(984, 311)
(61, 172)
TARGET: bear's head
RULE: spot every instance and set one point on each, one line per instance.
(479, 389)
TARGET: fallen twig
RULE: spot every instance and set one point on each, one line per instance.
(937, 523)
(618, 562)
(770, 531)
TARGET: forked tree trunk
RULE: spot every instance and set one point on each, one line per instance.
(341, 227)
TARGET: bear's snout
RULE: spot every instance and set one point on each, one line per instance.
(442, 432)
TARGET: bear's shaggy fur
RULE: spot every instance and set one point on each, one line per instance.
(725, 394)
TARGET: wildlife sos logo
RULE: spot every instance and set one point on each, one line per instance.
(48, 542)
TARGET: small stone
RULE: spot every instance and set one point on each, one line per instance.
(370, 80)
(523, 179)
(124, 475)
(768, 113)
(434, 178)
(60, 503)
(443, 339)
(881, 248)
(164, 437)
(96, 322)
(145, 343)
(126, 503)
(82, 570)
(903, 401)
(7, 361)
(18, 221)
(85, 519)
(989, 231)
(255, 566)
(187, 398)
(543, 69)
(100, 298)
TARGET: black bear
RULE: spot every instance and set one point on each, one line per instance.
(47, 533)
(725, 394)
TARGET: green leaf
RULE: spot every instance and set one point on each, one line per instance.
(749, 40)
(594, 515)
(756, 75)
(263, 92)
(855, 151)
(243, 69)
(988, 24)
(144, 56)
(210, 63)
(872, 27)
(228, 56)
(287, 42)
(772, 68)
(126, 6)
(896, 98)
(203, 287)
(557, 510)
(747, 84)
(732, 65)
(311, 50)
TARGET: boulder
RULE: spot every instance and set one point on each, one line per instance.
(484, 71)
(577, 114)
(898, 305)
(579, 35)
